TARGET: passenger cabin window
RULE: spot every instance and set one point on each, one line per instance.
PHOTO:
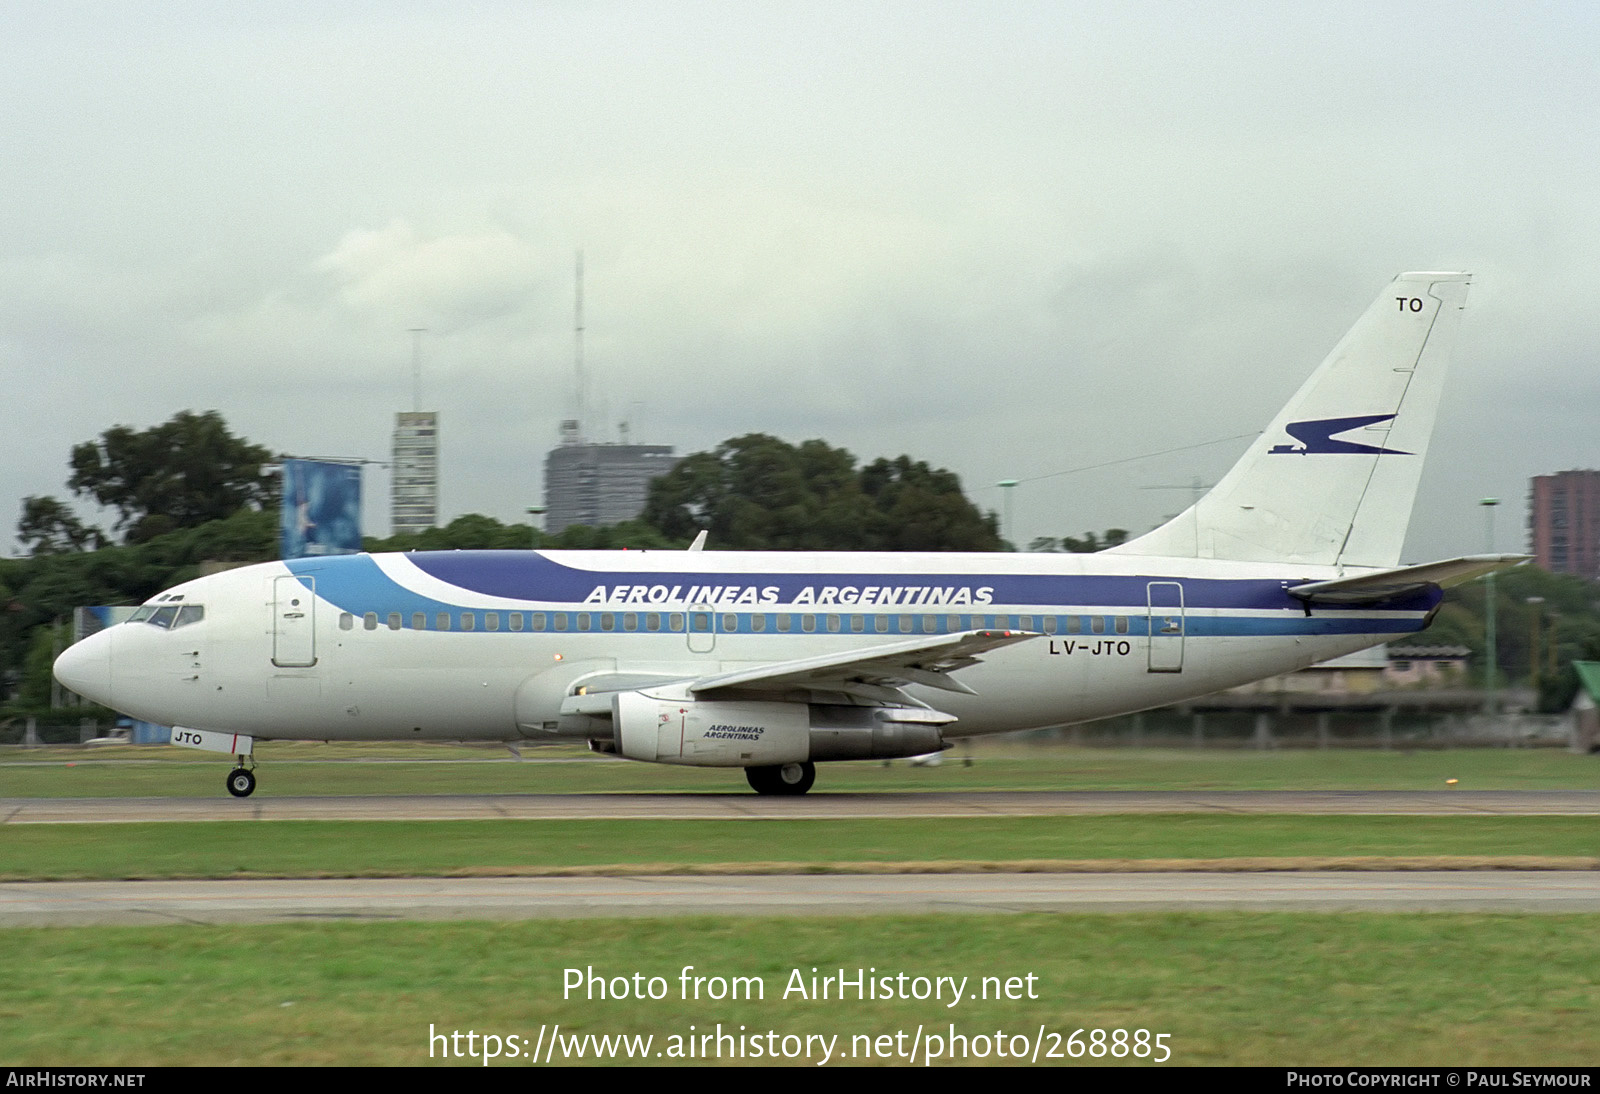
(469, 621)
(394, 621)
(1122, 624)
(346, 621)
(419, 621)
(491, 621)
(516, 621)
(1097, 624)
(442, 621)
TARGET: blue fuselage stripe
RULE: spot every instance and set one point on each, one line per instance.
(356, 584)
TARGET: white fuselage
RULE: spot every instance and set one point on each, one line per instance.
(490, 645)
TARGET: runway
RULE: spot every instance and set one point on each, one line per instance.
(214, 902)
(276, 901)
(739, 806)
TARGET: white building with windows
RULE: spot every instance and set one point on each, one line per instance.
(414, 497)
(599, 484)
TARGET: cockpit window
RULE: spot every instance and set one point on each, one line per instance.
(169, 616)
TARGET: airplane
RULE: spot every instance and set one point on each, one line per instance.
(776, 661)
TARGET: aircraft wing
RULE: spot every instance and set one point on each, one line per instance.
(928, 661)
(1381, 585)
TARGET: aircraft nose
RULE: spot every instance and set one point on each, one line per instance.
(85, 667)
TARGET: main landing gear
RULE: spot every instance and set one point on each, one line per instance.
(241, 780)
(782, 778)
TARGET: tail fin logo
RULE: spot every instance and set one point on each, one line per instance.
(1316, 437)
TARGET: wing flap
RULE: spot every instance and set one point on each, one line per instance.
(927, 661)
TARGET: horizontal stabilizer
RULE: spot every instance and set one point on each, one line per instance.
(1376, 587)
(925, 661)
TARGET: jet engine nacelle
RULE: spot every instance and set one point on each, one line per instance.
(710, 733)
(748, 733)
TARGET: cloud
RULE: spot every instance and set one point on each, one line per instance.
(395, 275)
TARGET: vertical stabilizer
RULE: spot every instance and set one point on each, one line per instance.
(1332, 480)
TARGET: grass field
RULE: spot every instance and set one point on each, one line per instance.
(1228, 989)
(212, 849)
(1233, 988)
(297, 768)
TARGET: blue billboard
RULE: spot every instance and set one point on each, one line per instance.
(321, 512)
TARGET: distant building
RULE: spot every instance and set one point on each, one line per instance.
(1377, 668)
(1564, 522)
(599, 484)
(414, 503)
(1427, 666)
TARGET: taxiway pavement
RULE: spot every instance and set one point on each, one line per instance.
(371, 899)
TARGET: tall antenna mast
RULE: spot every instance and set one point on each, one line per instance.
(416, 366)
(577, 333)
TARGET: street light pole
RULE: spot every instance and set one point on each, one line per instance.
(1008, 485)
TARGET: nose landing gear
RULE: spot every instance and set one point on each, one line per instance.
(241, 780)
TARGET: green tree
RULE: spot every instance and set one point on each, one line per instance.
(919, 508)
(47, 641)
(476, 532)
(1538, 614)
(760, 493)
(48, 527)
(179, 474)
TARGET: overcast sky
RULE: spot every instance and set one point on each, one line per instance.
(1010, 239)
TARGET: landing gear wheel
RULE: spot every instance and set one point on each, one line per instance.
(241, 782)
(781, 778)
